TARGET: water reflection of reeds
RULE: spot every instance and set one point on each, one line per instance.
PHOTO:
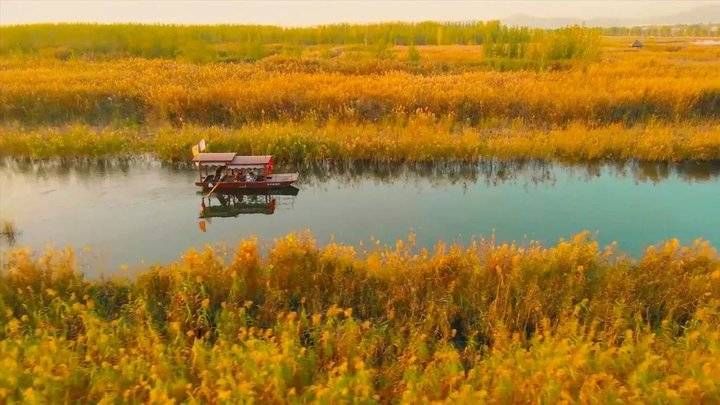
(497, 171)
(8, 232)
(487, 171)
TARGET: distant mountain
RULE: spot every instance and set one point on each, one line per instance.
(701, 15)
(709, 14)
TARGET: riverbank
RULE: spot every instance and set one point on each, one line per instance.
(381, 324)
(415, 140)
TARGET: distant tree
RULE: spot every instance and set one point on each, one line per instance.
(382, 50)
(413, 55)
(197, 52)
(253, 51)
(293, 51)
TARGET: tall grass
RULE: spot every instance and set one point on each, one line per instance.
(417, 139)
(629, 88)
(357, 101)
(337, 324)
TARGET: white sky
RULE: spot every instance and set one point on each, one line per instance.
(296, 13)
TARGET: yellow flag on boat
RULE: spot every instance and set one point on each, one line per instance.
(195, 150)
(202, 145)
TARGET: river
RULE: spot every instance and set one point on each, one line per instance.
(136, 212)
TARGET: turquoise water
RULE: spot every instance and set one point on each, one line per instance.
(141, 212)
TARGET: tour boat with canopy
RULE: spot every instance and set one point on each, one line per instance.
(229, 171)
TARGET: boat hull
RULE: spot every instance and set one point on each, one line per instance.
(276, 181)
(285, 191)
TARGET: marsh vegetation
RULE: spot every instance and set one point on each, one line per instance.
(568, 93)
(299, 322)
(332, 323)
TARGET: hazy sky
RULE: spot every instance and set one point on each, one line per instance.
(322, 12)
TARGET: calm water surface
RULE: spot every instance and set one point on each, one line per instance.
(142, 212)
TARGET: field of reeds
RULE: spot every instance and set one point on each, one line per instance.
(390, 92)
(334, 324)
(630, 89)
(419, 139)
(483, 323)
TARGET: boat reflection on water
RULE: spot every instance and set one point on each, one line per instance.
(241, 202)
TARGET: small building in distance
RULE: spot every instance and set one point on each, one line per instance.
(636, 44)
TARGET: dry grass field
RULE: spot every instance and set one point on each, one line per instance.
(409, 103)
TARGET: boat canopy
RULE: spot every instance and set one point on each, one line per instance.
(214, 158)
(250, 162)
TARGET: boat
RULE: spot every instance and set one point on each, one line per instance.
(225, 172)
